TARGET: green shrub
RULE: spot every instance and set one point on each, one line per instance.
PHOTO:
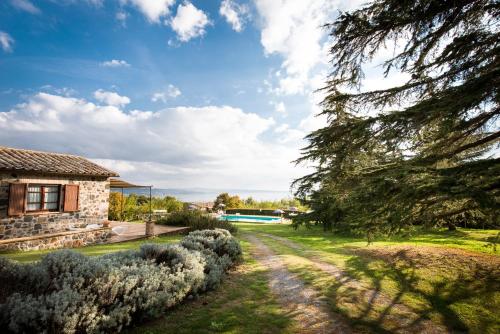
(67, 292)
(196, 221)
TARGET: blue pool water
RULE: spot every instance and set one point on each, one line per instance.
(252, 219)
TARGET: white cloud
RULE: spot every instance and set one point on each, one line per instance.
(111, 98)
(170, 93)
(115, 63)
(288, 135)
(121, 16)
(119, 166)
(6, 41)
(294, 30)
(296, 34)
(25, 5)
(96, 3)
(234, 13)
(152, 9)
(282, 128)
(211, 146)
(280, 107)
(65, 91)
(312, 122)
(189, 22)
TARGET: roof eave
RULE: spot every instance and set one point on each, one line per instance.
(44, 172)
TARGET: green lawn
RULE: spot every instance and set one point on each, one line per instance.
(454, 291)
(93, 250)
(469, 239)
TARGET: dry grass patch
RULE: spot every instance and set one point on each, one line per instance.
(447, 259)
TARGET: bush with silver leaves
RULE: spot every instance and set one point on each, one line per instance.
(220, 251)
(67, 292)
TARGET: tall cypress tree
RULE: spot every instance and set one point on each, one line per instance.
(426, 151)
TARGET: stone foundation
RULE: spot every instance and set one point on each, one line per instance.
(69, 239)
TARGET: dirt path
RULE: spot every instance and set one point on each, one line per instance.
(404, 319)
(335, 271)
(304, 304)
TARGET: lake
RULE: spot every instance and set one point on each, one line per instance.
(206, 195)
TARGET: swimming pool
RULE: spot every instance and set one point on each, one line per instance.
(250, 219)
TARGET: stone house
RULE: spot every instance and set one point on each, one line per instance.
(49, 200)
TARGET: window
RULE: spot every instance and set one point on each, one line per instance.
(43, 198)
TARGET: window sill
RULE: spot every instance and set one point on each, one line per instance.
(41, 212)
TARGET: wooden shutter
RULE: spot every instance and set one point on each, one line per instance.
(17, 199)
(70, 197)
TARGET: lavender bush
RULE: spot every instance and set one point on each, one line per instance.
(67, 292)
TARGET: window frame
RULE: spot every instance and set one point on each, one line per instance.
(42, 201)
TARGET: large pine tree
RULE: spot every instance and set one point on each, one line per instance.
(426, 151)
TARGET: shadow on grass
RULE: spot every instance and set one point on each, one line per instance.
(446, 298)
(454, 286)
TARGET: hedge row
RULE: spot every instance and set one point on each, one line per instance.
(196, 221)
(67, 292)
(262, 212)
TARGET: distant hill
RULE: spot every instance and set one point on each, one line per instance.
(203, 195)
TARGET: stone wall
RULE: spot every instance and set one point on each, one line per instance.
(93, 206)
(58, 240)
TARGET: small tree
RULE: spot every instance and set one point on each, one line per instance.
(115, 205)
(228, 201)
(250, 202)
(171, 204)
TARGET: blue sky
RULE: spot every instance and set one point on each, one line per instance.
(207, 94)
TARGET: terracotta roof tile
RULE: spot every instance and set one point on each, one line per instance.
(13, 159)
